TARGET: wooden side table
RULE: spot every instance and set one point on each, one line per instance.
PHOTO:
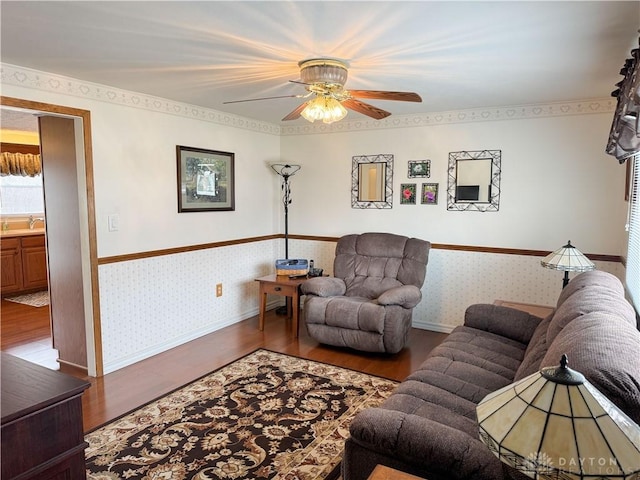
(382, 472)
(538, 310)
(284, 286)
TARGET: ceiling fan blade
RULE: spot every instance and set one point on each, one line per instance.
(296, 113)
(365, 109)
(263, 98)
(300, 82)
(384, 95)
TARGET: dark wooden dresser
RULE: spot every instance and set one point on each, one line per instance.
(41, 428)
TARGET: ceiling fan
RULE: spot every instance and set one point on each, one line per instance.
(324, 80)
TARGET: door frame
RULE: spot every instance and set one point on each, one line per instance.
(94, 331)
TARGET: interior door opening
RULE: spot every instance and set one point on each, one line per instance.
(74, 126)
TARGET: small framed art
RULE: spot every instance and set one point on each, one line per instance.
(429, 194)
(407, 194)
(419, 169)
(205, 180)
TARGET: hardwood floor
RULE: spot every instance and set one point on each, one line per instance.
(25, 332)
(119, 392)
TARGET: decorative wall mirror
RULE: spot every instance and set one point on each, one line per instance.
(372, 181)
(474, 181)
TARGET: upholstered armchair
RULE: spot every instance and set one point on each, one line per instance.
(368, 303)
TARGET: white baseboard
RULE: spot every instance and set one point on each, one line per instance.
(175, 342)
(434, 327)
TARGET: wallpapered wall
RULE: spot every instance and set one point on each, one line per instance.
(153, 304)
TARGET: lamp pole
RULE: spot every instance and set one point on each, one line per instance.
(286, 171)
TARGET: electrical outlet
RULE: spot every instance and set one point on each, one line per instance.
(219, 290)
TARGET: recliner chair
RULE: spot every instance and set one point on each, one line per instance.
(368, 303)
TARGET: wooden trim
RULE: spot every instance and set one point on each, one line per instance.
(438, 246)
(85, 115)
(313, 238)
(517, 251)
(20, 148)
(188, 248)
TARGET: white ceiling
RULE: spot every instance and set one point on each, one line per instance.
(455, 54)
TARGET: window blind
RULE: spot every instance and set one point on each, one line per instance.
(633, 252)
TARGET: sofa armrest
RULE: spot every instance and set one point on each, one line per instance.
(504, 321)
(424, 444)
(324, 287)
(407, 296)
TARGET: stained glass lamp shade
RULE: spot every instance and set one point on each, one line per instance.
(568, 259)
(554, 424)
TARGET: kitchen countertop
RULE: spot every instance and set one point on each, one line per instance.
(21, 232)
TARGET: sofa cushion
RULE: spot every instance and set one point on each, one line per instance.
(508, 323)
(591, 298)
(486, 346)
(606, 350)
(536, 350)
(471, 363)
(597, 278)
(452, 388)
(423, 444)
(427, 400)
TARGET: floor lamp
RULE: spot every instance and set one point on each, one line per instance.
(568, 259)
(286, 171)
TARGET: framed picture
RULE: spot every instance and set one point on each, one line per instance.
(419, 168)
(429, 194)
(407, 194)
(205, 180)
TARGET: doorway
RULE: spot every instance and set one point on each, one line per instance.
(80, 139)
(24, 315)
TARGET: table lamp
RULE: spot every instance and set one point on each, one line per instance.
(569, 259)
(554, 424)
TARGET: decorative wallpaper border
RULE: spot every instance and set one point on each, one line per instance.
(50, 82)
(514, 112)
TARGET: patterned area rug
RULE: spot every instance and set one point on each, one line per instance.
(37, 299)
(264, 416)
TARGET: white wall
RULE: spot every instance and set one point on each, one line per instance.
(135, 168)
(557, 184)
(135, 171)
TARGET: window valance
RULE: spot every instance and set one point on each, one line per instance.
(20, 164)
(624, 138)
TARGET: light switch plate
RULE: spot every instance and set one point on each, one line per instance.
(114, 222)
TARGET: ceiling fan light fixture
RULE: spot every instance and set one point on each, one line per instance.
(324, 108)
(323, 70)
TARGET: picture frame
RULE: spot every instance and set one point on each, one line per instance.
(419, 169)
(429, 194)
(205, 180)
(408, 193)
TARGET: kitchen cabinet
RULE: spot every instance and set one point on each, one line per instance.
(11, 272)
(34, 263)
(24, 264)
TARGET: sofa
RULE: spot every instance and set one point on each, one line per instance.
(428, 427)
